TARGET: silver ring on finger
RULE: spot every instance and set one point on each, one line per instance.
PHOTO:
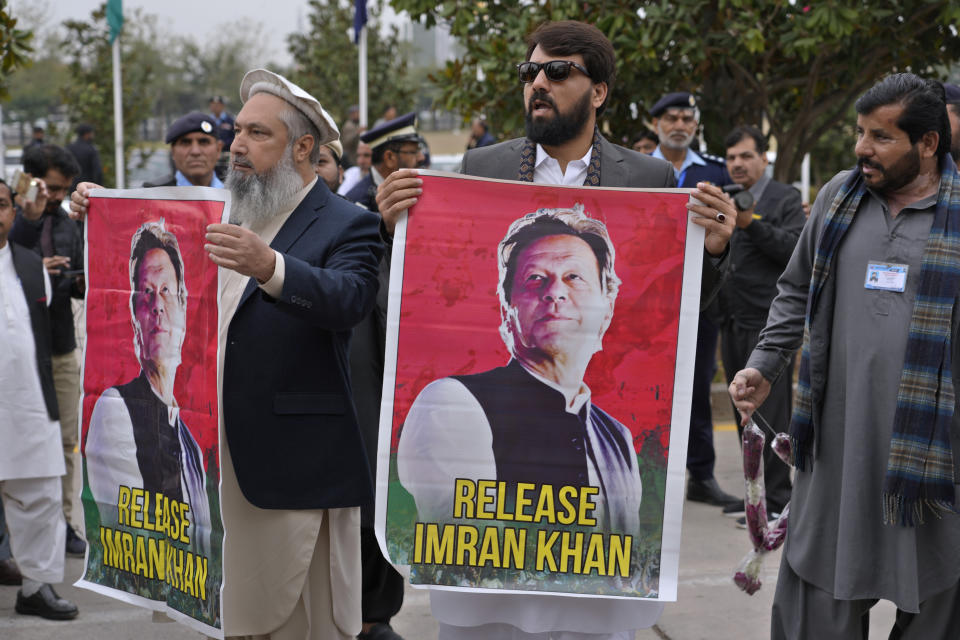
(720, 217)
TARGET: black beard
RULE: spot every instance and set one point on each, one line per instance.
(899, 174)
(562, 127)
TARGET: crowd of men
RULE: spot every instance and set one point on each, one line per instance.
(873, 509)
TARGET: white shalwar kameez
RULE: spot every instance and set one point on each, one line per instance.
(31, 454)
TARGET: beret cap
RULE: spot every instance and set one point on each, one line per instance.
(679, 99)
(193, 121)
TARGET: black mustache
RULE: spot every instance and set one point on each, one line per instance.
(541, 96)
(863, 162)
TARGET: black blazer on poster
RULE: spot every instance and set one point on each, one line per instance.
(288, 414)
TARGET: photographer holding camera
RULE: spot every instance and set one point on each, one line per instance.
(769, 220)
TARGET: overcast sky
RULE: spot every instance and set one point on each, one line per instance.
(200, 18)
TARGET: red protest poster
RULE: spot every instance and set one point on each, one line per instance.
(540, 348)
(149, 414)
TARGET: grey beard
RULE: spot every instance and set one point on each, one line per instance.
(665, 141)
(258, 197)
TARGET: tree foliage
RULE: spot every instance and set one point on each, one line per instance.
(35, 90)
(326, 63)
(15, 47)
(799, 67)
(88, 93)
(196, 69)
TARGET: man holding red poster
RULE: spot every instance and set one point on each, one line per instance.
(567, 78)
(538, 450)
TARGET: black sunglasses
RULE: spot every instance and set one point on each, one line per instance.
(556, 70)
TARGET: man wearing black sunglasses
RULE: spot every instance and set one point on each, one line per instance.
(566, 85)
(567, 75)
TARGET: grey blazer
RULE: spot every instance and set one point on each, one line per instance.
(619, 167)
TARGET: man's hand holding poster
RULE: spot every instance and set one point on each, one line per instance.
(149, 410)
(539, 358)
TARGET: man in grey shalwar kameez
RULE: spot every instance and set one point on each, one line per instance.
(840, 555)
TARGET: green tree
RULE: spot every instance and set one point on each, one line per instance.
(35, 90)
(800, 67)
(199, 68)
(326, 62)
(88, 92)
(15, 47)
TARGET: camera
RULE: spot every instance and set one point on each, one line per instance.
(742, 199)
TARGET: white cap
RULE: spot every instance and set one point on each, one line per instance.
(336, 147)
(263, 81)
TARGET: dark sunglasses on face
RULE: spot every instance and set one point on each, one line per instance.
(556, 70)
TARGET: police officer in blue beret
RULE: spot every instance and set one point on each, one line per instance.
(675, 120)
(194, 150)
(395, 145)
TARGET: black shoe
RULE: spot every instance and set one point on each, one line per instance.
(75, 544)
(710, 492)
(771, 518)
(10, 573)
(46, 604)
(735, 510)
(380, 631)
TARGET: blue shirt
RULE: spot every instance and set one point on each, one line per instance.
(183, 182)
(696, 169)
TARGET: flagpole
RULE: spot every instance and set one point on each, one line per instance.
(117, 114)
(363, 77)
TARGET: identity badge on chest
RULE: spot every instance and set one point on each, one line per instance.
(886, 276)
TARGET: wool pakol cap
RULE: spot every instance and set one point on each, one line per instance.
(336, 147)
(680, 99)
(263, 81)
(193, 121)
(402, 129)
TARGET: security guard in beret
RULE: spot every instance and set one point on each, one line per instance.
(194, 149)
(395, 145)
(675, 120)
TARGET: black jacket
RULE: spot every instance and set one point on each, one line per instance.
(88, 159)
(287, 411)
(759, 254)
(67, 241)
(364, 193)
(367, 350)
(29, 269)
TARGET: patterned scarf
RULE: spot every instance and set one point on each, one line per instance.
(528, 161)
(920, 466)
